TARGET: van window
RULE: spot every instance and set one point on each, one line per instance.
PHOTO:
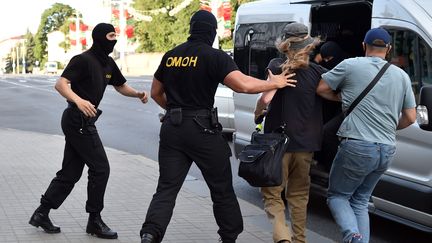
(411, 53)
(254, 47)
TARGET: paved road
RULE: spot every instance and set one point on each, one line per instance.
(30, 103)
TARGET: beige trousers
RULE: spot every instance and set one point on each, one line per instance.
(296, 182)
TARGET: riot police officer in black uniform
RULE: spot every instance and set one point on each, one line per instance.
(185, 84)
(88, 75)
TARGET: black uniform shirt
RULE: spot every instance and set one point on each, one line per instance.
(190, 74)
(89, 78)
(300, 108)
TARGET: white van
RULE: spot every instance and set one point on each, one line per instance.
(51, 68)
(404, 193)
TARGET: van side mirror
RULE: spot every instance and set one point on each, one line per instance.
(424, 108)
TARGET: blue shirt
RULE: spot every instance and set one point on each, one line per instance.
(376, 117)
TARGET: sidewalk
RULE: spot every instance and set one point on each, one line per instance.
(30, 160)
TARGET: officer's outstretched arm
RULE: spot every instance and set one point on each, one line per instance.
(242, 83)
(62, 86)
(158, 93)
(128, 91)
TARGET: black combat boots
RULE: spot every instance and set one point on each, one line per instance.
(40, 218)
(96, 226)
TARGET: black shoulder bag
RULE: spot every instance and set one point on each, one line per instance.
(261, 160)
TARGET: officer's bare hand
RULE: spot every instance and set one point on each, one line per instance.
(282, 80)
(143, 96)
(86, 107)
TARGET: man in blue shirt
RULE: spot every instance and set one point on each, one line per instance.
(368, 133)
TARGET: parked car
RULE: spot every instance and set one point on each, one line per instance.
(404, 193)
(225, 104)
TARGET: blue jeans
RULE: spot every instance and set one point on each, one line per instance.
(356, 170)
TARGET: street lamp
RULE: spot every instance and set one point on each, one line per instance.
(23, 50)
(13, 60)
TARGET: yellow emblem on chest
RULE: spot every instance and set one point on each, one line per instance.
(108, 76)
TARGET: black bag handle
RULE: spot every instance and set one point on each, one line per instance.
(367, 89)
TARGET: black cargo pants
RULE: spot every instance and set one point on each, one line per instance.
(179, 147)
(83, 147)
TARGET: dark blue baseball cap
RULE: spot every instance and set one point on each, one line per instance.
(377, 35)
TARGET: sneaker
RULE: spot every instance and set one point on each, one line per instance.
(356, 238)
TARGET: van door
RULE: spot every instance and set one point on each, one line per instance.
(258, 25)
(408, 181)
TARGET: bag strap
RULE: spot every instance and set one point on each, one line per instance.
(368, 88)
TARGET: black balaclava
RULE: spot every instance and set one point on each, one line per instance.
(102, 47)
(332, 49)
(203, 27)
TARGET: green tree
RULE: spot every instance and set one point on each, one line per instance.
(30, 46)
(164, 31)
(8, 66)
(52, 19)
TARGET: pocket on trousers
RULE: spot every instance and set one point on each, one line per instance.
(356, 163)
(357, 148)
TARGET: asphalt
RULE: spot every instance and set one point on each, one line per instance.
(28, 162)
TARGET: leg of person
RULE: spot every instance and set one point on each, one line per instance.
(297, 193)
(353, 162)
(62, 185)
(360, 199)
(173, 168)
(59, 188)
(274, 205)
(93, 153)
(213, 161)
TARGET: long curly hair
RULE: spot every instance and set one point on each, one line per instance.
(296, 58)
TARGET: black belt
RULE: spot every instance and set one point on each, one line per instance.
(73, 105)
(195, 113)
(346, 138)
